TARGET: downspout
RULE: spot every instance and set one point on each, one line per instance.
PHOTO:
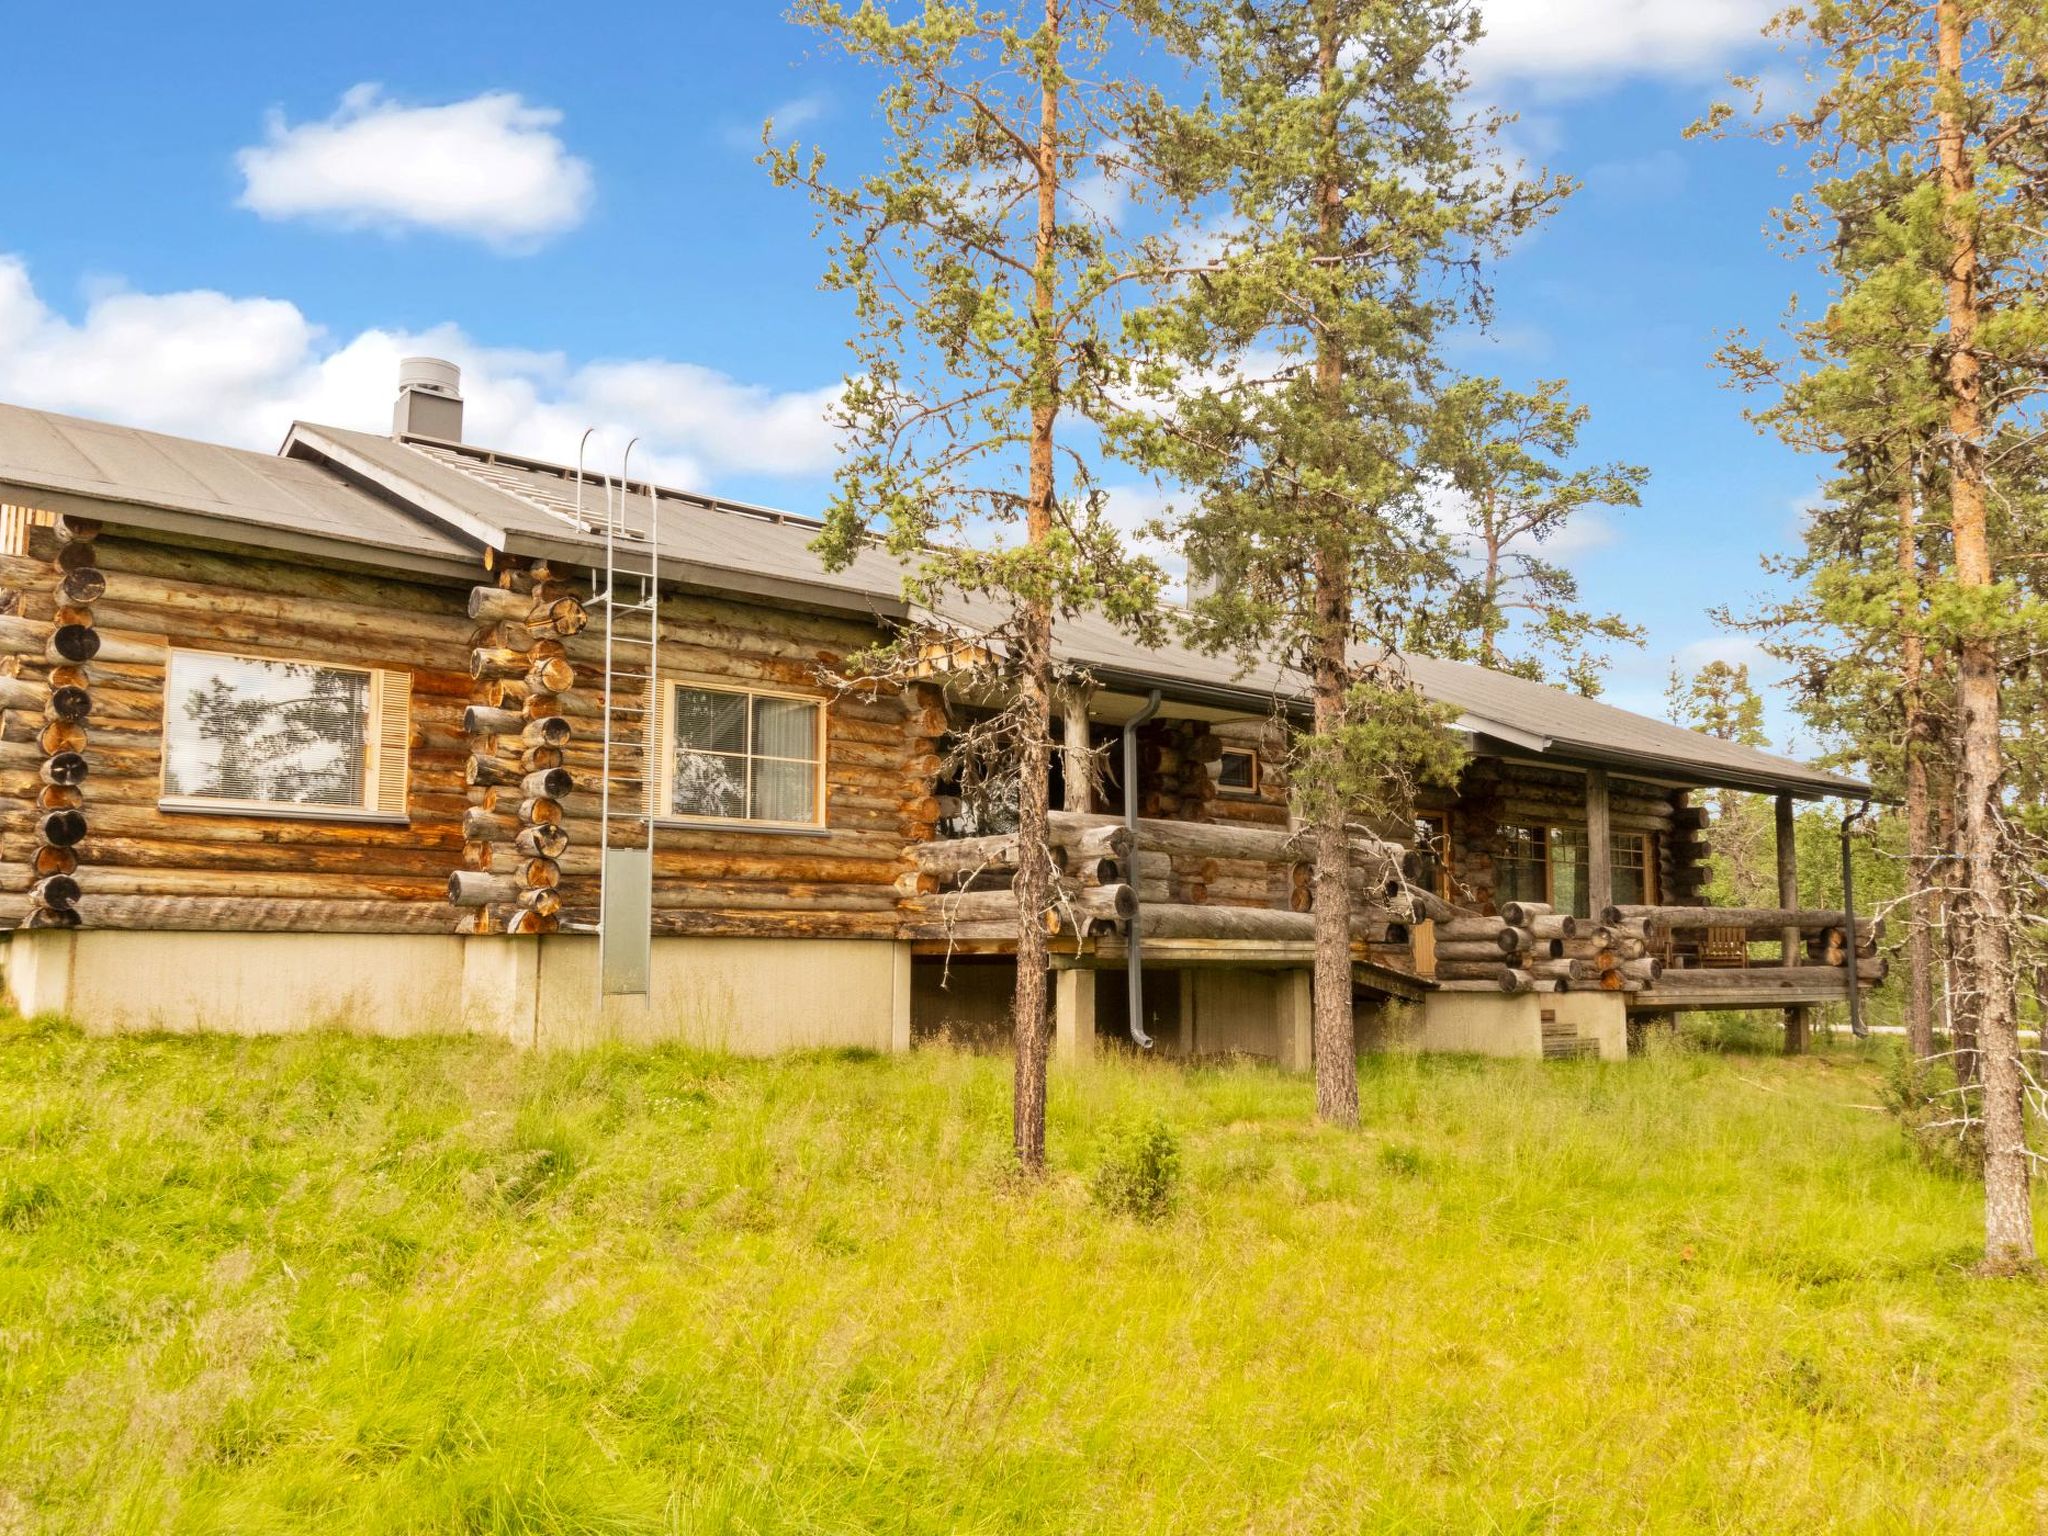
(1134, 965)
(1856, 1025)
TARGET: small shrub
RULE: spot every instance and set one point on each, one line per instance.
(1938, 1117)
(1138, 1172)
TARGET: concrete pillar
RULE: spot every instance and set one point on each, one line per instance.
(899, 1009)
(1599, 845)
(1295, 1014)
(1073, 1015)
(1788, 897)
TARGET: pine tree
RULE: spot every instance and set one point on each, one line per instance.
(1928, 152)
(983, 286)
(1293, 378)
(1503, 455)
(1719, 700)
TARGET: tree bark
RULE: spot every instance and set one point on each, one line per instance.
(2008, 1215)
(1336, 1063)
(1919, 1000)
(1030, 1020)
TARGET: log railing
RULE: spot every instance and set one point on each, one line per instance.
(1195, 880)
(1527, 947)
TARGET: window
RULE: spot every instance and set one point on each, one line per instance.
(258, 733)
(1550, 864)
(15, 523)
(1570, 882)
(1524, 873)
(1433, 852)
(1237, 771)
(1634, 859)
(744, 756)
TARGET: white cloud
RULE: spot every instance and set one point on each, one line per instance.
(490, 168)
(789, 118)
(240, 370)
(1571, 44)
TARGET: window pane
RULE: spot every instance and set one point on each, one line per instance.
(278, 732)
(1237, 771)
(783, 791)
(786, 728)
(709, 784)
(712, 722)
(1569, 887)
(1631, 871)
(1523, 874)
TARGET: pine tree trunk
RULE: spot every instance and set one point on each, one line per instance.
(2008, 1215)
(1919, 840)
(1336, 1057)
(1031, 1026)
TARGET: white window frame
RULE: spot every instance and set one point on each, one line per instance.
(1240, 791)
(665, 815)
(387, 787)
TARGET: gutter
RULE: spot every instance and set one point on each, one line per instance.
(1134, 961)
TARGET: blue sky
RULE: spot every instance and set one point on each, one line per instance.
(214, 219)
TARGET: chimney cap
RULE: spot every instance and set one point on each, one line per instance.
(431, 375)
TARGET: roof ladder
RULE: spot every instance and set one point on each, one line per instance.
(630, 711)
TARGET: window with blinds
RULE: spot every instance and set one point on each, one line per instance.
(742, 756)
(257, 733)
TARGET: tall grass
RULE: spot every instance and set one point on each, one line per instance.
(328, 1284)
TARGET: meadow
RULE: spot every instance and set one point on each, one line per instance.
(333, 1284)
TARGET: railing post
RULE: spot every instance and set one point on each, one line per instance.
(1789, 938)
(1599, 844)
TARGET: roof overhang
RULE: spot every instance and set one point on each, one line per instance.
(129, 511)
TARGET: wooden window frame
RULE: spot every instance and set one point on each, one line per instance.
(1644, 840)
(1647, 842)
(1240, 791)
(387, 760)
(665, 816)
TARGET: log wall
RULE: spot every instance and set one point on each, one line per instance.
(1494, 793)
(137, 865)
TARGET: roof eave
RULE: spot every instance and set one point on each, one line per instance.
(139, 512)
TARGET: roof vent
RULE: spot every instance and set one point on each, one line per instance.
(429, 400)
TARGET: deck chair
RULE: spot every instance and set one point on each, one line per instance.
(1728, 947)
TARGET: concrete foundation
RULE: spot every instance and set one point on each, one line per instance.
(753, 996)
(1496, 1024)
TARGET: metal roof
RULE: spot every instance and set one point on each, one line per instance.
(425, 503)
(529, 506)
(96, 469)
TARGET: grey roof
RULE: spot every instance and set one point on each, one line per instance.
(529, 506)
(441, 502)
(54, 457)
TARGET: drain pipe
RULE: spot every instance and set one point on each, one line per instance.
(1857, 1027)
(1134, 964)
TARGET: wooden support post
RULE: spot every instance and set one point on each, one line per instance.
(1076, 761)
(1073, 1015)
(1296, 1020)
(1599, 842)
(1789, 939)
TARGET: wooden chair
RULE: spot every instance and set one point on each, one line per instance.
(1726, 947)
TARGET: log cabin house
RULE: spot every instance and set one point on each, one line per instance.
(317, 738)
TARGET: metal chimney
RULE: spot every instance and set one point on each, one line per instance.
(429, 400)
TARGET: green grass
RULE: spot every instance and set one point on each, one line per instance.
(322, 1284)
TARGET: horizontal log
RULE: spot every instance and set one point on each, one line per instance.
(472, 888)
(483, 720)
(1692, 918)
(260, 915)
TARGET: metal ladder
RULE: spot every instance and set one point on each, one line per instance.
(625, 872)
